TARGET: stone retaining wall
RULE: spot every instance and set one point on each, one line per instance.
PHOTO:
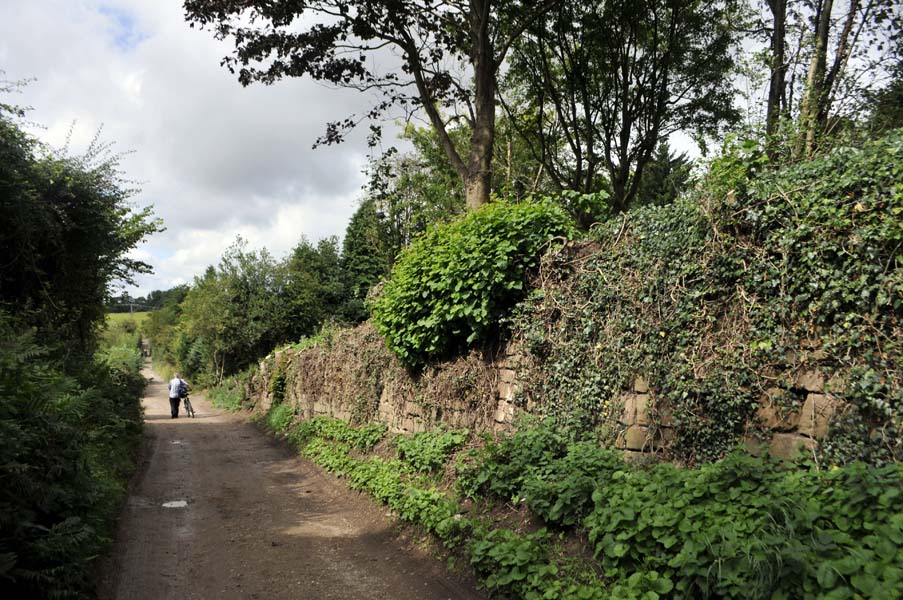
(357, 379)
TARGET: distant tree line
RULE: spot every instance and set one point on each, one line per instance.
(124, 303)
(240, 309)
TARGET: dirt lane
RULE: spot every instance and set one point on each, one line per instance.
(259, 523)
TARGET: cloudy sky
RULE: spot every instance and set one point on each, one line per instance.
(215, 160)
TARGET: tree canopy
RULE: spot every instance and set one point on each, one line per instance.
(451, 53)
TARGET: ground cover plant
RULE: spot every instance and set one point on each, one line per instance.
(744, 527)
(429, 450)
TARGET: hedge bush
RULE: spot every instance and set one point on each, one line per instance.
(67, 448)
(452, 286)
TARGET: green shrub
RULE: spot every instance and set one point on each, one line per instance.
(280, 417)
(748, 528)
(500, 467)
(743, 528)
(560, 490)
(451, 287)
(67, 449)
(363, 438)
(429, 450)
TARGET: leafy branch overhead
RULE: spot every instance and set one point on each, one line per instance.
(450, 55)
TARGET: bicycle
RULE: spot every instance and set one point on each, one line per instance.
(189, 409)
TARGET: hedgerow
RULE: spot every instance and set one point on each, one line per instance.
(452, 285)
(68, 447)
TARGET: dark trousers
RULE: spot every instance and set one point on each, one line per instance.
(174, 406)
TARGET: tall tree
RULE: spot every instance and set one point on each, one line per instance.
(777, 80)
(365, 257)
(414, 189)
(832, 57)
(234, 313)
(597, 85)
(451, 53)
(67, 229)
(315, 288)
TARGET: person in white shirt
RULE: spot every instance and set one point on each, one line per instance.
(175, 387)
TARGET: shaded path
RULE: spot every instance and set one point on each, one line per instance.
(259, 523)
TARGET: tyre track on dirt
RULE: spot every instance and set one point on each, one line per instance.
(259, 523)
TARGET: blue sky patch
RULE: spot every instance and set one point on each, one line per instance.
(123, 28)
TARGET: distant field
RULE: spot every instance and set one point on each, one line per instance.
(138, 317)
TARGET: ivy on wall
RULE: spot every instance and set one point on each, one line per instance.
(716, 299)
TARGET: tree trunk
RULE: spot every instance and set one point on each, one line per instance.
(778, 69)
(844, 48)
(816, 79)
(478, 182)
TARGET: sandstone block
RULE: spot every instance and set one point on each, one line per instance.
(628, 409)
(504, 412)
(640, 385)
(818, 410)
(754, 445)
(506, 390)
(507, 376)
(811, 381)
(790, 445)
(385, 413)
(772, 414)
(642, 409)
(636, 437)
(635, 409)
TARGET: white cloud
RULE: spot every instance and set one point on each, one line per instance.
(214, 159)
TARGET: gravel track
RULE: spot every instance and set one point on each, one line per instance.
(258, 522)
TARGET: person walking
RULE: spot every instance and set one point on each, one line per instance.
(175, 394)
